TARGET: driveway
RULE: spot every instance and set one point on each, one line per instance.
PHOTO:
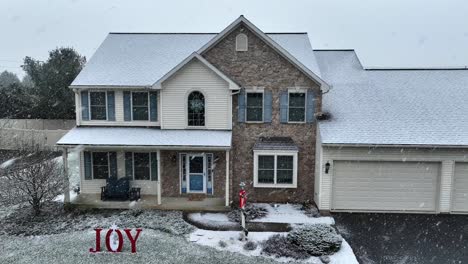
(405, 238)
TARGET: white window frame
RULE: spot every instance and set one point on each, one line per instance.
(187, 109)
(303, 91)
(92, 164)
(131, 105)
(246, 42)
(89, 107)
(275, 153)
(133, 165)
(252, 91)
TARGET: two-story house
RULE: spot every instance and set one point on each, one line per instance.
(189, 116)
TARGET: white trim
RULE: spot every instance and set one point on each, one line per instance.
(158, 183)
(275, 153)
(90, 107)
(232, 84)
(270, 42)
(298, 91)
(227, 202)
(252, 91)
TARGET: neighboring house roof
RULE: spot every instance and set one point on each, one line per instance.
(137, 136)
(142, 59)
(392, 107)
(275, 143)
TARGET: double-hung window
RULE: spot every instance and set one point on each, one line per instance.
(98, 105)
(275, 169)
(140, 106)
(100, 163)
(141, 166)
(297, 107)
(254, 107)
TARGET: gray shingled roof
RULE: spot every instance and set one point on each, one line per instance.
(275, 143)
(407, 107)
(133, 59)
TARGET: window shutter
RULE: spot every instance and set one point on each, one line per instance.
(129, 165)
(267, 106)
(241, 106)
(284, 107)
(113, 164)
(127, 106)
(310, 106)
(84, 106)
(87, 165)
(154, 166)
(110, 106)
(153, 106)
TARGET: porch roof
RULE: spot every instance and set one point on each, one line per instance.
(147, 137)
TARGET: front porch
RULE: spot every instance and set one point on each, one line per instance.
(91, 200)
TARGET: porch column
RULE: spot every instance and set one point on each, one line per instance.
(66, 187)
(227, 179)
(158, 183)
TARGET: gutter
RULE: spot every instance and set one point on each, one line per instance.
(394, 145)
(160, 147)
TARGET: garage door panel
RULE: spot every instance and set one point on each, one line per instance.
(380, 186)
(460, 188)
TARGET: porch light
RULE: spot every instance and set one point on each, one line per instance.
(327, 167)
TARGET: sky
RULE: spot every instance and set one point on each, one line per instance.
(391, 33)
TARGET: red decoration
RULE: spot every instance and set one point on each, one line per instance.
(242, 198)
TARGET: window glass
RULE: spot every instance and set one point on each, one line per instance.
(196, 109)
(297, 107)
(100, 165)
(254, 107)
(140, 106)
(266, 169)
(98, 105)
(284, 169)
(141, 166)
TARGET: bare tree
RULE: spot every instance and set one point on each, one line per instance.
(35, 178)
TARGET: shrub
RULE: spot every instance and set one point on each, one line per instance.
(278, 245)
(316, 240)
(250, 245)
(222, 243)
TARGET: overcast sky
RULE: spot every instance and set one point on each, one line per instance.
(391, 33)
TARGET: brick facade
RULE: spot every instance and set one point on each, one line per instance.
(262, 66)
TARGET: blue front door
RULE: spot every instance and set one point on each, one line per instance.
(196, 173)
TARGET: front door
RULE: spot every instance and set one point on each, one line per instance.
(196, 174)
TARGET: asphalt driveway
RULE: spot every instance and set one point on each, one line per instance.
(405, 238)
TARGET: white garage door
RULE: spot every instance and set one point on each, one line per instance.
(460, 188)
(385, 186)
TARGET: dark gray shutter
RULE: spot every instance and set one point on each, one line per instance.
(84, 106)
(284, 107)
(310, 106)
(153, 106)
(267, 106)
(129, 165)
(127, 106)
(110, 106)
(87, 165)
(154, 166)
(113, 164)
(241, 106)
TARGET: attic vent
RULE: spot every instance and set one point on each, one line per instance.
(241, 42)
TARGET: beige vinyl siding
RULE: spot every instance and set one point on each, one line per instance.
(94, 186)
(385, 186)
(119, 114)
(460, 188)
(445, 156)
(195, 77)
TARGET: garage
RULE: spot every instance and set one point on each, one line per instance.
(460, 188)
(385, 186)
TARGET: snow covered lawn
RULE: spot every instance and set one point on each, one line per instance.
(233, 244)
(290, 213)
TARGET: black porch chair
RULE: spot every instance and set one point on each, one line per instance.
(116, 189)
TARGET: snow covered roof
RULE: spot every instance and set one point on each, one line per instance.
(392, 107)
(149, 137)
(141, 59)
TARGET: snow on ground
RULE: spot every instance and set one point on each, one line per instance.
(7, 163)
(233, 244)
(61, 197)
(290, 213)
(152, 247)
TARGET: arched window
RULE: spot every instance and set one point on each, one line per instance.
(241, 42)
(196, 109)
